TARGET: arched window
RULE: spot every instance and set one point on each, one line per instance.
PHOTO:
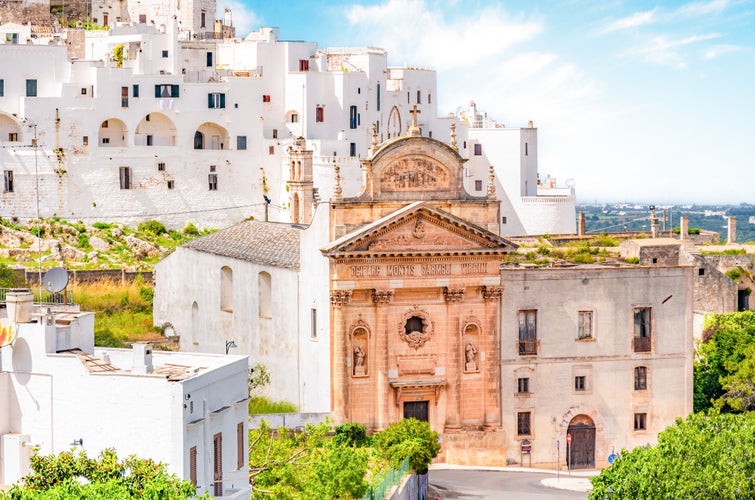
(198, 140)
(265, 284)
(295, 209)
(226, 289)
(195, 323)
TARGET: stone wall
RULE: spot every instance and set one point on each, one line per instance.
(31, 276)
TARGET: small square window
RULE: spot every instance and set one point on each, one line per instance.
(580, 383)
(106, 140)
(171, 184)
(83, 91)
(523, 385)
(12, 136)
(271, 150)
(275, 133)
(212, 168)
(161, 167)
(478, 185)
(266, 98)
(85, 140)
(701, 271)
(640, 378)
(165, 53)
(478, 149)
(241, 142)
(503, 220)
(640, 421)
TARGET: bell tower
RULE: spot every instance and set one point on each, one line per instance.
(301, 192)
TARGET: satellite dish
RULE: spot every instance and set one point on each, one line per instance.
(56, 279)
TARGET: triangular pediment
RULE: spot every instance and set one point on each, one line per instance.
(419, 229)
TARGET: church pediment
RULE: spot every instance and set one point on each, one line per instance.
(419, 228)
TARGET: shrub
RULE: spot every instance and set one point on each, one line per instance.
(191, 230)
(735, 273)
(102, 225)
(152, 226)
(260, 405)
(351, 434)
(408, 438)
(83, 241)
(632, 260)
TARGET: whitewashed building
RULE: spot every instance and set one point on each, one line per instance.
(154, 120)
(58, 391)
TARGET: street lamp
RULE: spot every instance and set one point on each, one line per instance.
(229, 344)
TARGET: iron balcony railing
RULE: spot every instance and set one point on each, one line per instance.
(48, 298)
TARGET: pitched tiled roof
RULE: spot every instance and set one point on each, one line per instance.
(254, 241)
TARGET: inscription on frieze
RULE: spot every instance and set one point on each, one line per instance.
(418, 270)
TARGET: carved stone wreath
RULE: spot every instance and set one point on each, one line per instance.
(416, 339)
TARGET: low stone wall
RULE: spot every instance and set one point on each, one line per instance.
(287, 420)
(31, 276)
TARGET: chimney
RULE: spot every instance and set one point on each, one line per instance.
(142, 359)
(19, 305)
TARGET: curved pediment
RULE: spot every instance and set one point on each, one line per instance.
(401, 168)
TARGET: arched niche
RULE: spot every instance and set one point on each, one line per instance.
(155, 129)
(359, 335)
(212, 136)
(112, 133)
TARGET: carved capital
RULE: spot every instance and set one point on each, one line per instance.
(453, 294)
(340, 297)
(382, 296)
(492, 292)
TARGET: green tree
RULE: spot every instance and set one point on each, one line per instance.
(70, 475)
(704, 456)
(408, 438)
(720, 371)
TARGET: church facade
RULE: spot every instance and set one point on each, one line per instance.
(415, 297)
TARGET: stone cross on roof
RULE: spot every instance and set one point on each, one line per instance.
(414, 129)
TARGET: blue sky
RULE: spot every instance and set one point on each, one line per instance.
(635, 101)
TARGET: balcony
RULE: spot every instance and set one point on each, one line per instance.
(527, 347)
(641, 344)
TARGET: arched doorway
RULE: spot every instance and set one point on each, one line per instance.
(580, 453)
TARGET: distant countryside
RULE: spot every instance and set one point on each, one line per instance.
(620, 217)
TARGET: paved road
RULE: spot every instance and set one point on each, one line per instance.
(494, 485)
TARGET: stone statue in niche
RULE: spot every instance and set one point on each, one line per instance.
(470, 352)
(359, 358)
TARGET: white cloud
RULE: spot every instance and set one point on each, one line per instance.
(634, 21)
(695, 9)
(244, 20)
(720, 50)
(666, 52)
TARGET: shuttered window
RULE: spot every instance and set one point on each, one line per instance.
(193, 465)
(217, 462)
(240, 445)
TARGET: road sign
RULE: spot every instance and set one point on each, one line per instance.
(568, 438)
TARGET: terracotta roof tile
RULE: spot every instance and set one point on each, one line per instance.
(254, 241)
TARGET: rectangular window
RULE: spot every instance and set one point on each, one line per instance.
(527, 332)
(271, 150)
(150, 140)
(640, 421)
(478, 185)
(523, 385)
(165, 53)
(125, 177)
(240, 142)
(408, 98)
(352, 117)
(378, 96)
(106, 140)
(240, 451)
(12, 136)
(85, 140)
(313, 323)
(212, 180)
(193, 466)
(217, 464)
(642, 330)
(161, 167)
(503, 220)
(166, 90)
(135, 90)
(478, 149)
(352, 149)
(142, 18)
(209, 59)
(429, 98)
(171, 184)
(31, 88)
(580, 383)
(701, 271)
(266, 98)
(640, 378)
(203, 20)
(8, 181)
(523, 423)
(83, 91)
(303, 65)
(2, 87)
(215, 100)
(275, 133)
(359, 119)
(319, 114)
(294, 118)
(124, 97)
(584, 325)
(419, 97)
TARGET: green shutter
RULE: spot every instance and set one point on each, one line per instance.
(209, 101)
(222, 100)
(157, 91)
(174, 91)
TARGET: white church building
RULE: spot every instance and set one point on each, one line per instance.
(169, 117)
(58, 391)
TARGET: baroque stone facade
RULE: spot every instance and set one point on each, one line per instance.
(415, 294)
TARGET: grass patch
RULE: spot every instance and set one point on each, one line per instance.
(260, 405)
